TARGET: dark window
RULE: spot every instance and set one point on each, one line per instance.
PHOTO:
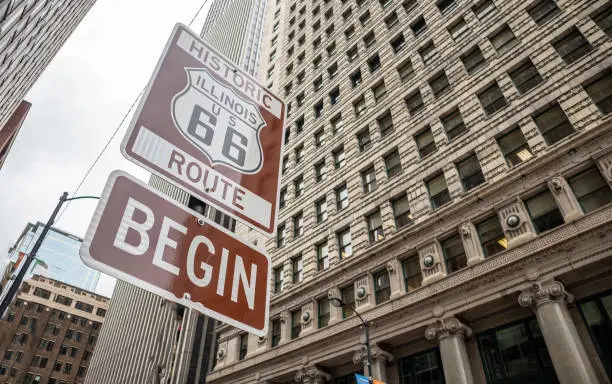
(439, 84)
(319, 138)
(382, 287)
(320, 171)
(368, 178)
(414, 102)
(298, 184)
(374, 63)
(321, 207)
(553, 124)
(81, 371)
(600, 91)
(597, 314)
(393, 164)
(342, 198)
(337, 124)
(345, 247)
(544, 212)
(375, 228)
(418, 26)
(454, 254)
(359, 106)
(356, 78)
(525, 77)
(603, 18)
(280, 235)
(379, 91)
(492, 99)
(285, 163)
(244, 346)
(409, 5)
(63, 300)
(412, 273)
(352, 53)
(473, 60)
(453, 124)
(40, 292)
(385, 124)
(339, 157)
(398, 43)
(492, 236)
(543, 10)
(369, 39)
(363, 19)
(322, 257)
(422, 368)
(282, 199)
(348, 297)
(296, 269)
(425, 142)
(516, 353)
(298, 225)
(470, 172)
(438, 191)
(323, 312)
(428, 53)
(514, 147)
(299, 153)
(572, 46)
(503, 40)
(276, 332)
(405, 70)
(590, 189)
(484, 10)
(299, 124)
(296, 323)
(318, 109)
(364, 140)
(458, 29)
(334, 96)
(401, 212)
(278, 279)
(445, 5)
(391, 20)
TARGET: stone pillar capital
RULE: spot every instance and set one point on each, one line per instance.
(444, 328)
(311, 374)
(360, 356)
(544, 292)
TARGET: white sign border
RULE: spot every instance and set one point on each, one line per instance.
(86, 257)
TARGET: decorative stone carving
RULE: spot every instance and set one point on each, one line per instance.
(306, 318)
(311, 375)
(262, 340)
(360, 356)
(471, 243)
(513, 221)
(283, 318)
(447, 327)
(390, 267)
(428, 261)
(431, 267)
(566, 201)
(221, 354)
(361, 293)
(465, 230)
(605, 165)
(544, 292)
(516, 224)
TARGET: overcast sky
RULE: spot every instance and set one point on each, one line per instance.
(76, 105)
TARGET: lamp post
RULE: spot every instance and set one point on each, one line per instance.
(338, 303)
(30, 258)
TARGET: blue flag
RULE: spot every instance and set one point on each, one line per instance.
(362, 379)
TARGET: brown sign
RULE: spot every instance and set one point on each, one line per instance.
(212, 129)
(139, 236)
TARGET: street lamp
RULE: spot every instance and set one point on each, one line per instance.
(338, 303)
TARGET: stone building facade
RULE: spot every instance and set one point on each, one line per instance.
(448, 175)
(50, 332)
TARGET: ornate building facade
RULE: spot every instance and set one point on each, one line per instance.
(447, 174)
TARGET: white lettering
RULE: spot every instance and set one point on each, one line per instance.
(127, 223)
(207, 268)
(222, 272)
(164, 241)
(240, 275)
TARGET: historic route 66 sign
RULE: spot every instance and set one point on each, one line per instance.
(212, 129)
(217, 120)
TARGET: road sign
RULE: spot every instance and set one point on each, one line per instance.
(212, 129)
(139, 236)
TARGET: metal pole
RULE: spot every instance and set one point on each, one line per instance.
(367, 340)
(28, 260)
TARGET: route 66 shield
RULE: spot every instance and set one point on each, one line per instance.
(223, 125)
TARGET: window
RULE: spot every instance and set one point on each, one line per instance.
(63, 300)
(516, 353)
(438, 191)
(572, 46)
(332, 71)
(391, 20)
(543, 10)
(349, 32)
(428, 53)
(458, 29)
(375, 228)
(299, 124)
(11, 317)
(503, 40)
(425, 368)
(57, 366)
(280, 235)
(418, 26)
(401, 212)
(342, 200)
(316, 63)
(439, 84)
(454, 254)
(317, 83)
(63, 349)
(473, 60)
(331, 49)
(299, 153)
(81, 371)
(384, 3)
(320, 171)
(398, 43)
(296, 268)
(345, 249)
(356, 78)
(409, 5)
(282, 199)
(352, 53)
(364, 140)
(385, 124)
(278, 279)
(276, 332)
(364, 18)
(553, 124)
(492, 99)
(319, 138)
(412, 273)
(348, 297)
(369, 39)
(544, 212)
(339, 157)
(453, 124)
(296, 323)
(298, 225)
(322, 256)
(382, 287)
(405, 70)
(484, 10)
(393, 164)
(318, 109)
(285, 161)
(298, 184)
(323, 312)
(470, 173)
(514, 147)
(359, 106)
(321, 207)
(597, 315)
(374, 63)
(425, 142)
(414, 102)
(492, 237)
(379, 90)
(287, 135)
(525, 77)
(603, 18)
(600, 91)
(3, 369)
(368, 178)
(336, 124)
(40, 292)
(590, 189)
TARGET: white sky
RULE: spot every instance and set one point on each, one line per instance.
(76, 105)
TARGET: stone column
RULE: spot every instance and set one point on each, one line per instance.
(549, 301)
(311, 374)
(380, 357)
(451, 334)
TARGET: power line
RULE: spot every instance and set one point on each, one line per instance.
(125, 116)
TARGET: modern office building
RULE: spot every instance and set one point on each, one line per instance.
(9, 132)
(49, 333)
(31, 33)
(447, 174)
(60, 252)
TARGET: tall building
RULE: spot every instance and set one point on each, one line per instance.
(447, 174)
(49, 333)
(60, 252)
(31, 33)
(9, 132)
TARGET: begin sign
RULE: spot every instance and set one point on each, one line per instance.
(139, 236)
